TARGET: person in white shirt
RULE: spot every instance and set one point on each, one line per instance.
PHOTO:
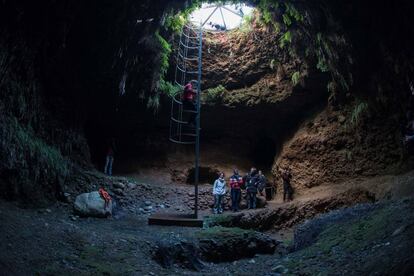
(219, 190)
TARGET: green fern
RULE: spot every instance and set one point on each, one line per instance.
(154, 102)
(357, 113)
(293, 12)
(214, 95)
(287, 20)
(164, 53)
(322, 65)
(331, 87)
(246, 25)
(285, 39)
(175, 22)
(295, 78)
(168, 88)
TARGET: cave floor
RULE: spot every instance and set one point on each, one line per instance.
(52, 241)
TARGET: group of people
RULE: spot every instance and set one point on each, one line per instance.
(253, 183)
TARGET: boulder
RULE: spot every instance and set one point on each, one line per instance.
(92, 205)
(220, 244)
(217, 244)
(180, 253)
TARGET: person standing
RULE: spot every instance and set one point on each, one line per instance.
(251, 187)
(219, 190)
(110, 152)
(287, 188)
(262, 182)
(236, 181)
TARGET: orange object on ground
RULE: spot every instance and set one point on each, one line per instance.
(104, 194)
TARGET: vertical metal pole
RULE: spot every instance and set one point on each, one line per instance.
(197, 146)
(173, 124)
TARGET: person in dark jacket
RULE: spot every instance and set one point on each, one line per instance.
(236, 182)
(287, 188)
(251, 187)
(110, 152)
(189, 103)
(262, 182)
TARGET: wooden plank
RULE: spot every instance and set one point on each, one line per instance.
(175, 220)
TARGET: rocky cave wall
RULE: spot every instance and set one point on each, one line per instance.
(249, 95)
(361, 136)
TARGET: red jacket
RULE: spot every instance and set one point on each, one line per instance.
(104, 194)
(236, 181)
(189, 93)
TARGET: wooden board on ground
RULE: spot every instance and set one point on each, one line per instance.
(169, 219)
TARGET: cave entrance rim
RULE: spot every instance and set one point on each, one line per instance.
(220, 17)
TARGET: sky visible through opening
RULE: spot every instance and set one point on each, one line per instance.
(219, 17)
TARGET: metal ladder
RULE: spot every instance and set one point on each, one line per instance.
(188, 69)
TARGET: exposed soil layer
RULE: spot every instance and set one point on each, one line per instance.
(288, 215)
(334, 146)
(256, 73)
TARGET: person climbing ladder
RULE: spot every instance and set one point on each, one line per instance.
(189, 104)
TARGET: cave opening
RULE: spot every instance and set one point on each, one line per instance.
(220, 16)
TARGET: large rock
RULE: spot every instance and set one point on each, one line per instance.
(180, 253)
(219, 244)
(92, 205)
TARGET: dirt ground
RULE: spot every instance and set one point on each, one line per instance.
(53, 241)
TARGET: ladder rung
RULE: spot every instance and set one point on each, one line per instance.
(189, 134)
(189, 43)
(182, 86)
(189, 27)
(191, 37)
(179, 68)
(181, 103)
(186, 72)
(187, 58)
(181, 142)
(178, 121)
(177, 101)
(189, 47)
